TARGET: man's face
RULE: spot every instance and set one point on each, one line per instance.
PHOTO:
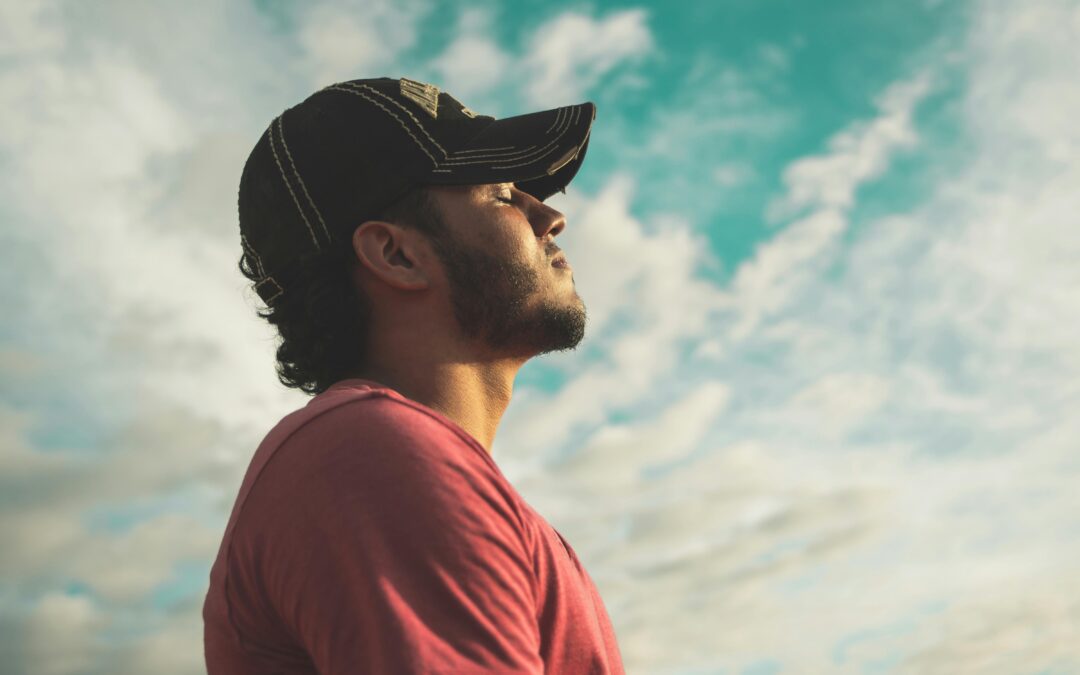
(498, 253)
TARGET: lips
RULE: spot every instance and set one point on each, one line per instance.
(560, 261)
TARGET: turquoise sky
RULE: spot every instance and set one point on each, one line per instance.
(823, 419)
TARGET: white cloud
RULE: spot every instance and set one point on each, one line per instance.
(643, 296)
(569, 54)
(345, 41)
(825, 183)
(61, 635)
(774, 56)
(894, 468)
(473, 63)
(699, 146)
(121, 160)
(731, 174)
(25, 28)
(855, 155)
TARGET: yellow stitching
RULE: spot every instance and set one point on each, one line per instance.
(286, 179)
(407, 112)
(510, 157)
(553, 124)
(281, 130)
(461, 152)
(494, 156)
(532, 156)
(511, 166)
(566, 126)
(275, 295)
(250, 250)
(385, 109)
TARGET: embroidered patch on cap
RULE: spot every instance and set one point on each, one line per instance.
(423, 94)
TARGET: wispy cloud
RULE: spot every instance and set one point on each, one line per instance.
(340, 40)
(568, 54)
(474, 64)
(896, 446)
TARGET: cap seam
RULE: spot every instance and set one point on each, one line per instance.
(555, 123)
(299, 178)
(533, 156)
(407, 112)
(391, 114)
(285, 178)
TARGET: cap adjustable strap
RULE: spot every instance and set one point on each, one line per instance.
(269, 289)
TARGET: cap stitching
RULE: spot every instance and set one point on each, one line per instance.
(273, 297)
(507, 155)
(530, 157)
(462, 152)
(510, 155)
(250, 250)
(556, 122)
(407, 112)
(285, 178)
(531, 160)
(391, 114)
(494, 156)
(549, 151)
(299, 178)
(566, 126)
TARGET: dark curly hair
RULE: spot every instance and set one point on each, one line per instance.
(322, 321)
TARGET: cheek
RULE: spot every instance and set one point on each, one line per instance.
(514, 240)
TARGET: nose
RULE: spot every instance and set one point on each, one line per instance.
(545, 220)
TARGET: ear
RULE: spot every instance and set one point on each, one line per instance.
(393, 254)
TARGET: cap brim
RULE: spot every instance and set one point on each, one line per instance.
(540, 151)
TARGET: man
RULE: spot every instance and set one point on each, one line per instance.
(407, 258)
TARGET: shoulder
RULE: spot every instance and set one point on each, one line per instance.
(366, 436)
(382, 453)
(378, 420)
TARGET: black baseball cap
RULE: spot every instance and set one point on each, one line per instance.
(352, 148)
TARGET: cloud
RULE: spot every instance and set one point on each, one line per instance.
(708, 132)
(643, 296)
(347, 41)
(855, 155)
(24, 28)
(61, 635)
(120, 163)
(473, 64)
(897, 444)
(569, 54)
(825, 184)
(729, 175)
(561, 61)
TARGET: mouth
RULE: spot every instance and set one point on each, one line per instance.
(560, 262)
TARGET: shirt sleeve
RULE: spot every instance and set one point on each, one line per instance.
(393, 549)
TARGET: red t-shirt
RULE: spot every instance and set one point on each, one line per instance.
(372, 535)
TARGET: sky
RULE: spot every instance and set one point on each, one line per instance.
(824, 418)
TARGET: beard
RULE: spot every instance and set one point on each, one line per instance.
(491, 300)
